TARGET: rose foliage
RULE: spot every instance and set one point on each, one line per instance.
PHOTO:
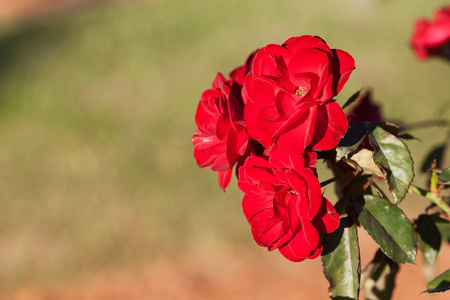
(276, 115)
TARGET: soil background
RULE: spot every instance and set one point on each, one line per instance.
(243, 274)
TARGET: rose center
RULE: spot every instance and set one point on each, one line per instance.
(301, 91)
(292, 192)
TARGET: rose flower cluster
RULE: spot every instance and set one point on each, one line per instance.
(432, 38)
(268, 119)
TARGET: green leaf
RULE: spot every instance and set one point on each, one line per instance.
(352, 139)
(444, 177)
(341, 261)
(393, 157)
(378, 279)
(429, 238)
(352, 99)
(388, 226)
(444, 227)
(390, 127)
(440, 283)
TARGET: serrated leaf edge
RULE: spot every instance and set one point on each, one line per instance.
(414, 251)
(396, 197)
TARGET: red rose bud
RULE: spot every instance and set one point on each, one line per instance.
(284, 204)
(432, 38)
(288, 95)
(221, 138)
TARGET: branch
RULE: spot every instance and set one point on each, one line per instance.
(435, 199)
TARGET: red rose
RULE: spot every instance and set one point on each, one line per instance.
(221, 138)
(284, 204)
(289, 92)
(432, 38)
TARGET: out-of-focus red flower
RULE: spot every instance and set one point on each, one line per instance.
(289, 92)
(284, 205)
(221, 139)
(365, 110)
(432, 37)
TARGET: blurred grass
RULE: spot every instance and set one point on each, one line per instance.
(97, 110)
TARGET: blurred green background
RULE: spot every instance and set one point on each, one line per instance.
(97, 112)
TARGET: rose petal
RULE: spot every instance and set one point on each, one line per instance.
(299, 247)
(330, 126)
(252, 207)
(314, 193)
(288, 252)
(266, 229)
(280, 159)
(346, 65)
(268, 59)
(224, 178)
(294, 217)
(311, 61)
(316, 252)
(327, 219)
(294, 44)
(296, 134)
(310, 233)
